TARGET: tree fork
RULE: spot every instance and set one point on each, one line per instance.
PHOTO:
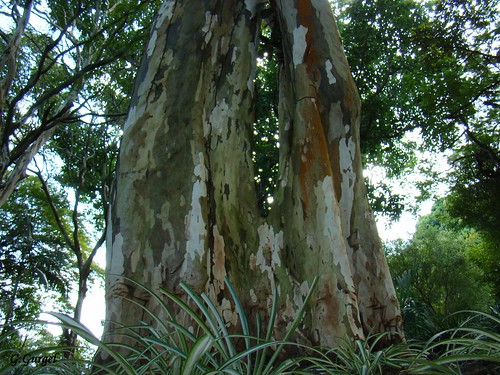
(185, 206)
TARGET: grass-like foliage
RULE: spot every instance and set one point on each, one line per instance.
(209, 347)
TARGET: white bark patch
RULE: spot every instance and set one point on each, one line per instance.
(130, 118)
(328, 218)
(200, 170)
(169, 57)
(152, 43)
(326, 210)
(218, 117)
(253, 296)
(299, 44)
(268, 254)
(195, 224)
(114, 257)
(157, 58)
(210, 20)
(329, 73)
(347, 150)
(166, 11)
(336, 126)
(300, 294)
(229, 315)
(233, 57)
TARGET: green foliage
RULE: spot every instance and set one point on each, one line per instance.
(474, 194)
(33, 253)
(70, 63)
(378, 41)
(72, 77)
(432, 69)
(473, 345)
(357, 356)
(265, 145)
(207, 347)
(438, 272)
(469, 30)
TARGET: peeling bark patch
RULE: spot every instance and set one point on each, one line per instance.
(115, 259)
(253, 262)
(152, 43)
(229, 315)
(166, 11)
(329, 72)
(299, 44)
(336, 126)
(328, 218)
(195, 224)
(219, 260)
(253, 296)
(347, 150)
(300, 294)
(218, 117)
(268, 254)
(210, 20)
(325, 210)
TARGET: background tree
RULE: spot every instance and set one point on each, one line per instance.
(33, 257)
(440, 271)
(430, 70)
(51, 63)
(83, 56)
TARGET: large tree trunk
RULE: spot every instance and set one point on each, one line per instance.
(185, 206)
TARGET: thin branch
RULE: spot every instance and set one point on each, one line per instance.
(53, 208)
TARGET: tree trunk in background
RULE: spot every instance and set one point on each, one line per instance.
(185, 206)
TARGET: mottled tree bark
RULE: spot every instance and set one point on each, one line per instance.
(320, 121)
(185, 206)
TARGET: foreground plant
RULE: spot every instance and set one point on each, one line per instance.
(207, 346)
(475, 343)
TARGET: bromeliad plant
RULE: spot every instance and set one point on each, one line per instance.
(210, 348)
(475, 343)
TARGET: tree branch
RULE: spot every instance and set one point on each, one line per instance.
(53, 208)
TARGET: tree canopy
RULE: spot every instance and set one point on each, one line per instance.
(444, 268)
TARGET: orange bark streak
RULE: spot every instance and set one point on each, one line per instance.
(335, 163)
(307, 18)
(315, 161)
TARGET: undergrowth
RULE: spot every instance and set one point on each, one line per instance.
(210, 348)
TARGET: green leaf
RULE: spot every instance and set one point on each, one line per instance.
(199, 349)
